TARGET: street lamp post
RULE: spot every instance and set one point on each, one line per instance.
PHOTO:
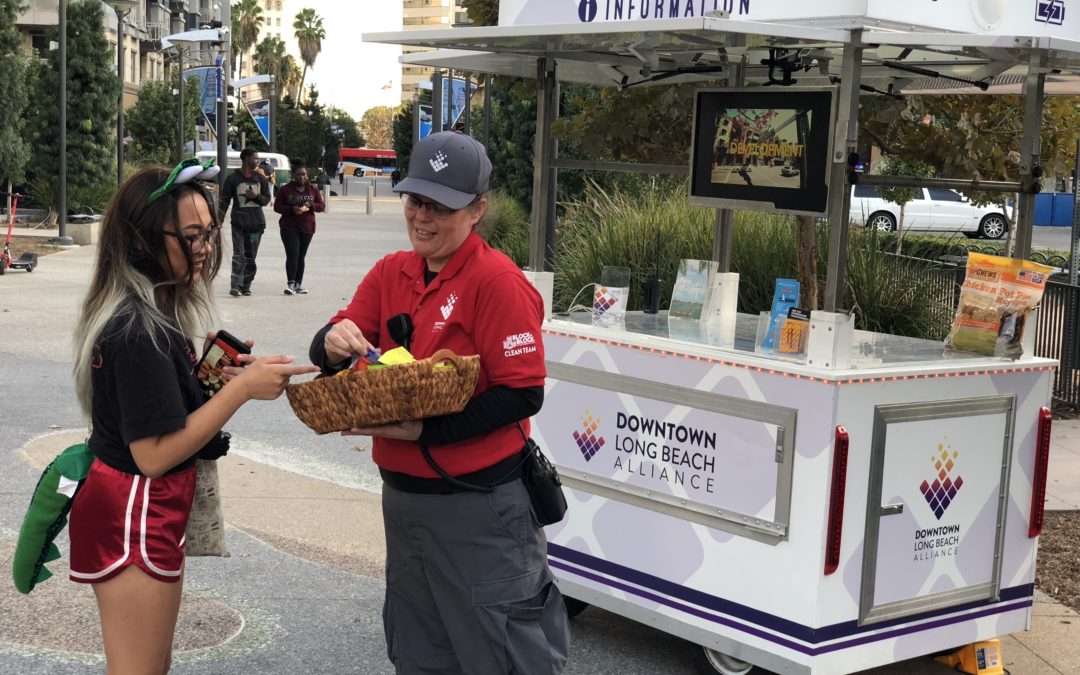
(272, 116)
(122, 9)
(191, 40)
(61, 197)
(226, 76)
(180, 136)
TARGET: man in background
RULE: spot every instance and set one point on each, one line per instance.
(267, 170)
(247, 191)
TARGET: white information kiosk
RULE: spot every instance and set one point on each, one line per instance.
(878, 502)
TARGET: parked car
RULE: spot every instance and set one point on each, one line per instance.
(932, 210)
(789, 171)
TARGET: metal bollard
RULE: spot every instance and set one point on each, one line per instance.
(345, 187)
(371, 199)
(326, 198)
(374, 185)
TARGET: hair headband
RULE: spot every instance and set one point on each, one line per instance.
(186, 171)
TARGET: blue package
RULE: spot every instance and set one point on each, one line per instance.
(373, 355)
(785, 296)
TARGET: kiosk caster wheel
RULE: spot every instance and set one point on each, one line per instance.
(574, 606)
(710, 662)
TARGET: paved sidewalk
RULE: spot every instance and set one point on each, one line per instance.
(302, 591)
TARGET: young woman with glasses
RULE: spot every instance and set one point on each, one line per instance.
(134, 376)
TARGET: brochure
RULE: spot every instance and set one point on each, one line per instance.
(785, 296)
(690, 295)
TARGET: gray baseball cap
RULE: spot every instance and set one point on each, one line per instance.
(449, 168)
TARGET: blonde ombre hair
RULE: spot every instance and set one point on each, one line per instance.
(132, 278)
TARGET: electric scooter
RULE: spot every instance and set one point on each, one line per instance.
(28, 260)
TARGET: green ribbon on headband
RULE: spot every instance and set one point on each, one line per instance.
(186, 171)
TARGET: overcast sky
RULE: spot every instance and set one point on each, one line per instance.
(352, 74)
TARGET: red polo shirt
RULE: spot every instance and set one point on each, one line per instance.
(480, 303)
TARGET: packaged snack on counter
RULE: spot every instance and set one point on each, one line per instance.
(997, 295)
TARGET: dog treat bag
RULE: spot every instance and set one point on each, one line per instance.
(997, 295)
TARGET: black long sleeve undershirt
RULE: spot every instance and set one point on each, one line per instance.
(495, 408)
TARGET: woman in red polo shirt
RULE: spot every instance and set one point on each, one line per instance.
(468, 587)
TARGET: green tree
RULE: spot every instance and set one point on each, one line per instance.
(643, 124)
(247, 19)
(92, 91)
(377, 125)
(152, 121)
(347, 128)
(290, 77)
(269, 59)
(304, 132)
(482, 12)
(402, 137)
(14, 151)
(513, 127)
(971, 136)
(309, 36)
(895, 165)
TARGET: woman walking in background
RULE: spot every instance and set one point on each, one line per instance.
(297, 201)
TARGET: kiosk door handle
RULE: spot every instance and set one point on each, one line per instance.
(892, 509)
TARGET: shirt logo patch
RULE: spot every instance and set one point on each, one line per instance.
(518, 344)
(448, 308)
(438, 163)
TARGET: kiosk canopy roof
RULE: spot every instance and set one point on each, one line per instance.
(679, 50)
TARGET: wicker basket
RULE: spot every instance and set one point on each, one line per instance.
(367, 398)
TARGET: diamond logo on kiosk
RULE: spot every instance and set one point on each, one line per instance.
(940, 494)
(588, 441)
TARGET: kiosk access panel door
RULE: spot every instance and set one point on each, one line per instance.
(935, 518)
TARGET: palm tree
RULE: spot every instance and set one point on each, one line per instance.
(291, 77)
(247, 24)
(271, 59)
(309, 35)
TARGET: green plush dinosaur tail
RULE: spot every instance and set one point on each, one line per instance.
(47, 515)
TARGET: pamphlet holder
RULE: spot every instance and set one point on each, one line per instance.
(831, 337)
(544, 282)
(611, 296)
(721, 308)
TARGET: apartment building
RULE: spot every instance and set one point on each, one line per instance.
(144, 26)
(420, 15)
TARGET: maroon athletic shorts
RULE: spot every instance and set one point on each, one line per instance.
(120, 519)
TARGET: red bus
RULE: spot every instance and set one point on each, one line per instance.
(367, 161)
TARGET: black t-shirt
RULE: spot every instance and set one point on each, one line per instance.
(140, 390)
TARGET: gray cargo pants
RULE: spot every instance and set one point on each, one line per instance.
(468, 589)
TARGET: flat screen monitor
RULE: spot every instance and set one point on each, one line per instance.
(763, 149)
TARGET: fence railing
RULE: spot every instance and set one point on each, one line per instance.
(1056, 338)
(940, 283)
(1057, 330)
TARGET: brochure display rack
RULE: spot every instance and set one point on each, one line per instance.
(878, 500)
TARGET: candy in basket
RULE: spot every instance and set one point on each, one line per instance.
(438, 385)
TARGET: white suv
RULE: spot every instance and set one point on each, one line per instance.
(932, 210)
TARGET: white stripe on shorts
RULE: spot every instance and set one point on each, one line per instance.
(142, 543)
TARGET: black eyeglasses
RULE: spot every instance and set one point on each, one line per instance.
(436, 211)
(197, 242)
